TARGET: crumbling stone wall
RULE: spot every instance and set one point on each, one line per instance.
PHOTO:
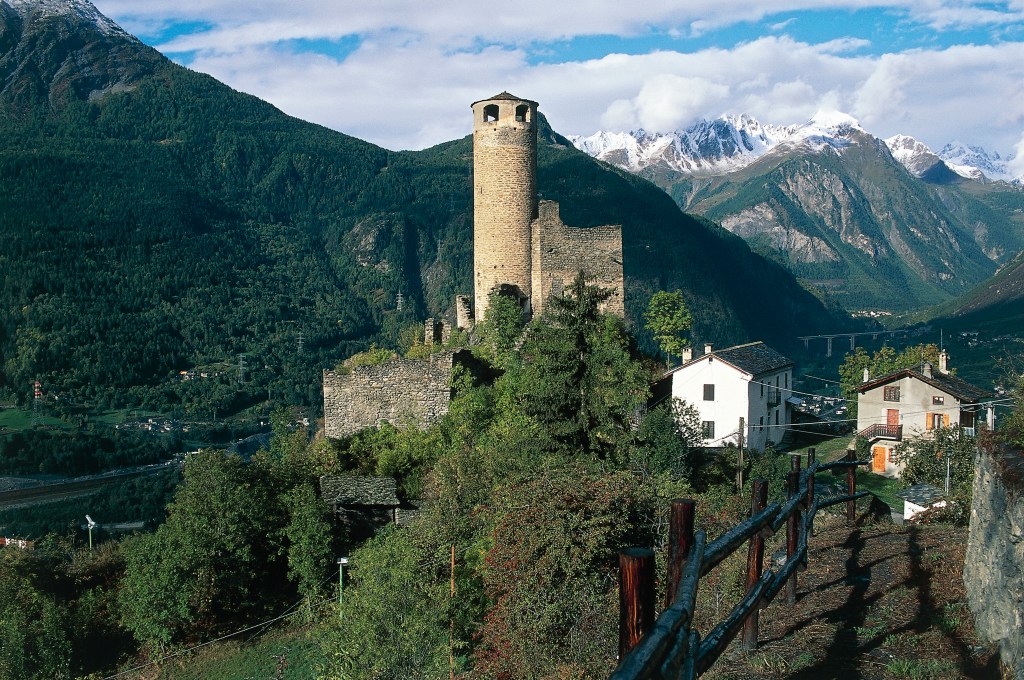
(560, 251)
(404, 392)
(994, 564)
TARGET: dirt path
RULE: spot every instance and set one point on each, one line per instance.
(876, 602)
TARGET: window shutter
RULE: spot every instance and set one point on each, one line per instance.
(928, 421)
(945, 420)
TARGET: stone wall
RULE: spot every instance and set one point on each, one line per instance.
(994, 564)
(559, 252)
(404, 392)
(504, 197)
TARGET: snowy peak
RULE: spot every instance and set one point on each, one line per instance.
(920, 160)
(976, 163)
(719, 146)
(82, 10)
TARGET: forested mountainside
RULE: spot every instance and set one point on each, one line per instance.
(156, 221)
(835, 206)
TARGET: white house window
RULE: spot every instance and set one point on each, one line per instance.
(709, 392)
(707, 429)
(891, 393)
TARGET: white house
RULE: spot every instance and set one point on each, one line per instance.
(746, 384)
(912, 402)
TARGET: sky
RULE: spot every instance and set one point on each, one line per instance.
(403, 73)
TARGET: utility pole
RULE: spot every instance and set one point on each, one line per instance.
(739, 460)
(342, 561)
(451, 624)
(398, 301)
(301, 339)
(241, 369)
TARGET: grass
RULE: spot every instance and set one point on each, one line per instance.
(921, 669)
(288, 654)
(16, 420)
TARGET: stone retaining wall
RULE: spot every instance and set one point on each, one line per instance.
(994, 564)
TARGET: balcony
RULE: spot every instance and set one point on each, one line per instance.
(774, 397)
(875, 432)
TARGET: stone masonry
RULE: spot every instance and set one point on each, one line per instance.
(994, 563)
(521, 247)
(559, 252)
(403, 392)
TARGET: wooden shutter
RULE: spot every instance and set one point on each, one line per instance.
(928, 421)
(945, 420)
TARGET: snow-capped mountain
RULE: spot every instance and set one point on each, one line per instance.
(976, 163)
(730, 143)
(715, 147)
(836, 204)
(81, 9)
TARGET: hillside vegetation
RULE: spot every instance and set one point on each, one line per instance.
(155, 221)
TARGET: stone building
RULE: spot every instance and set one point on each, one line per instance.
(521, 248)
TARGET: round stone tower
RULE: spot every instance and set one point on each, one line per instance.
(504, 198)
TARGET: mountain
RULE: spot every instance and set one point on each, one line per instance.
(155, 221)
(852, 216)
(976, 163)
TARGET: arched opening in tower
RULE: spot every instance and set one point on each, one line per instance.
(522, 113)
(491, 113)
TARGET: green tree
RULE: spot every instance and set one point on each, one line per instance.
(927, 459)
(310, 540)
(669, 440)
(668, 318)
(577, 377)
(886, 360)
(211, 563)
(501, 330)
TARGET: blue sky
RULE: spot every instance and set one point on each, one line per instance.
(402, 73)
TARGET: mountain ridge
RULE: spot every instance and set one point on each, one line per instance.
(173, 223)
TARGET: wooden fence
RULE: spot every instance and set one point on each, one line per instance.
(669, 647)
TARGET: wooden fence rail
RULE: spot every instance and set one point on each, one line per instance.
(669, 647)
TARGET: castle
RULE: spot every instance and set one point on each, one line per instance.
(521, 248)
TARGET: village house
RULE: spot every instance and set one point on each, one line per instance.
(912, 402)
(746, 386)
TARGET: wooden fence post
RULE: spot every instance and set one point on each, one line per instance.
(755, 562)
(636, 597)
(851, 488)
(680, 540)
(811, 458)
(792, 533)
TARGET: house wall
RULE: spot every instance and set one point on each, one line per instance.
(994, 563)
(915, 407)
(736, 396)
(403, 392)
(559, 252)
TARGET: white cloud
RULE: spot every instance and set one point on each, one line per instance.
(417, 66)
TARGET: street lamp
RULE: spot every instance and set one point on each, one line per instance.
(92, 524)
(342, 561)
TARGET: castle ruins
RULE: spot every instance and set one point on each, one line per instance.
(521, 248)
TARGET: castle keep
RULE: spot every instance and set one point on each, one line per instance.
(521, 247)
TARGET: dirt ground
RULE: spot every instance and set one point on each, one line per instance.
(878, 601)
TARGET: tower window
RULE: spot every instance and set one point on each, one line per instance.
(491, 113)
(522, 112)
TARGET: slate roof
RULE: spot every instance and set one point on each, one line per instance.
(505, 96)
(921, 494)
(950, 384)
(753, 358)
(353, 490)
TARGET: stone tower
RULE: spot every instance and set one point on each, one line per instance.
(504, 198)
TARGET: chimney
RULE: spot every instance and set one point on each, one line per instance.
(707, 348)
(867, 374)
(687, 354)
(943, 362)
(927, 370)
